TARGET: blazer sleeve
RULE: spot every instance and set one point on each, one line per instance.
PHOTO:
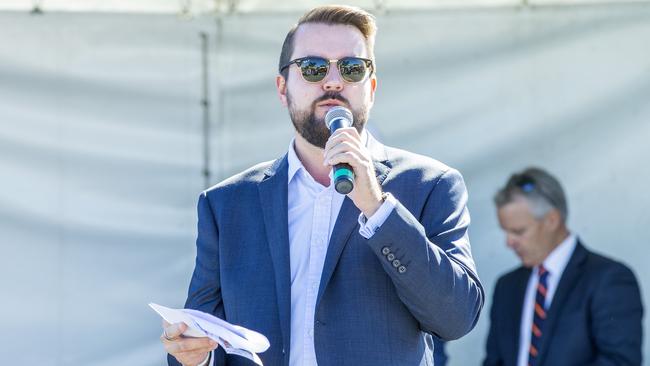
(617, 314)
(434, 275)
(204, 293)
(493, 355)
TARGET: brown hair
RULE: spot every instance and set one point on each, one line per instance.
(331, 15)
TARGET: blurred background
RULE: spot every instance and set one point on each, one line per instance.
(115, 115)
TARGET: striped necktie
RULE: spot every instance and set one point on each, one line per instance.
(539, 316)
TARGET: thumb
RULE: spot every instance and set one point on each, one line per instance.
(175, 330)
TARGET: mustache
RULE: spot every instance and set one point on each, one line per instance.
(332, 95)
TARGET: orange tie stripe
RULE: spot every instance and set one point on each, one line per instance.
(539, 315)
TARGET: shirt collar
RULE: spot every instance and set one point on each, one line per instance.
(557, 260)
(294, 163)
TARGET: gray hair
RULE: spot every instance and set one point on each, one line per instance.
(542, 191)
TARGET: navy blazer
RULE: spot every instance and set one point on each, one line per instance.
(369, 310)
(595, 317)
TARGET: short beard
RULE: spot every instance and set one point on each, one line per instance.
(313, 129)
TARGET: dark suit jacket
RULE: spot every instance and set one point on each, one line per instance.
(594, 318)
(368, 311)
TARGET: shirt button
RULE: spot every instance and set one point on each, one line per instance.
(401, 269)
(385, 251)
(396, 263)
(310, 333)
(390, 257)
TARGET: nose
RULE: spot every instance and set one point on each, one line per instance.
(333, 81)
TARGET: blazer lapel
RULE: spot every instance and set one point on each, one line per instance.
(514, 318)
(347, 221)
(273, 196)
(565, 286)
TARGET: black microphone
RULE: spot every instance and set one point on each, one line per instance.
(341, 117)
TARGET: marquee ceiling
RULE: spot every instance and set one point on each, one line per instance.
(247, 6)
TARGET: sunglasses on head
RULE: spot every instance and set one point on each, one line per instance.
(314, 69)
(528, 185)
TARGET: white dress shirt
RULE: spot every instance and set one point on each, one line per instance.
(313, 210)
(554, 263)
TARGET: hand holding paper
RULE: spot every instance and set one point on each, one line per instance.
(234, 339)
(189, 351)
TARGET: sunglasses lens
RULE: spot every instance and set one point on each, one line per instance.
(314, 69)
(526, 184)
(352, 69)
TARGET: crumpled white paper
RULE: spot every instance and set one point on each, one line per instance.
(233, 338)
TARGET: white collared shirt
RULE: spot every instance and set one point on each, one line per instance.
(313, 210)
(555, 263)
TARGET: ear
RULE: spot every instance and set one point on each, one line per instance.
(373, 88)
(281, 85)
(552, 220)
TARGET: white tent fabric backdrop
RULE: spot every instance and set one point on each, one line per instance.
(101, 151)
(273, 6)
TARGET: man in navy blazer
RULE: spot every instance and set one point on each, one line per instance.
(566, 306)
(366, 278)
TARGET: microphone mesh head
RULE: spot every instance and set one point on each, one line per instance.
(336, 113)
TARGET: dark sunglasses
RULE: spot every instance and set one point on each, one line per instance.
(528, 185)
(314, 68)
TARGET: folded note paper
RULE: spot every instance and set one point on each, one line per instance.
(233, 338)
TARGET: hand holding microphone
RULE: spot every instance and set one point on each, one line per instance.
(336, 118)
(354, 170)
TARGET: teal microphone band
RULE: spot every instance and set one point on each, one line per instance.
(343, 179)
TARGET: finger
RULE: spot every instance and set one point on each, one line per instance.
(341, 142)
(351, 131)
(342, 135)
(185, 345)
(202, 350)
(191, 358)
(347, 157)
(342, 148)
(346, 133)
(174, 330)
(199, 352)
